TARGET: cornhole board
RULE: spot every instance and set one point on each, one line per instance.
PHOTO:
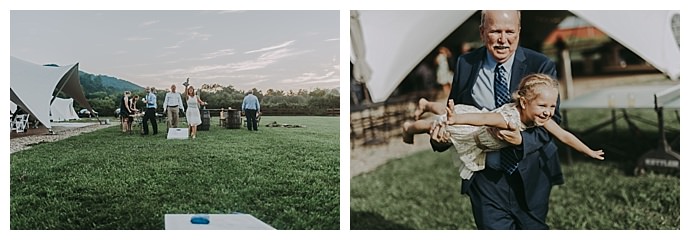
(235, 221)
(178, 133)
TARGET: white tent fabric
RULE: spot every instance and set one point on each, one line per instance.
(62, 110)
(13, 107)
(396, 41)
(647, 33)
(32, 86)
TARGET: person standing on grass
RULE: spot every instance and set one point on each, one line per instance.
(133, 110)
(125, 111)
(150, 112)
(172, 105)
(251, 108)
(512, 191)
(193, 115)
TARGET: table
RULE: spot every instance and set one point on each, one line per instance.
(235, 221)
(657, 97)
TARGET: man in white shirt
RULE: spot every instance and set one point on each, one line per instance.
(173, 105)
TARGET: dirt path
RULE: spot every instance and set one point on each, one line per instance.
(23, 141)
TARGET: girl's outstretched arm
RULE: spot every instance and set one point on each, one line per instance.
(572, 141)
(489, 119)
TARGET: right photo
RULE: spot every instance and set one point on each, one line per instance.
(515, 120)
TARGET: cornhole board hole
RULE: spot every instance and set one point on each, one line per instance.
(235, 221)
(178, 133)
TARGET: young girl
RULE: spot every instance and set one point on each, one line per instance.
(193, 115)
(534, 105)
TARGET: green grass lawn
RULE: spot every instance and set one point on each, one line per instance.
(286, 177)
(422, 191)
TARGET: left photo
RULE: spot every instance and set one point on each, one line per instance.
(174, 120)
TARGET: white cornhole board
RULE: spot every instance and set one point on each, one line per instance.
(178, 133)
(236, 221)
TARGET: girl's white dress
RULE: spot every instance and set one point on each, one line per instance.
(472, 142)
(192, 114)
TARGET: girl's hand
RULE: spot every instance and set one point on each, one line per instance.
(598, 154)
(450, 113)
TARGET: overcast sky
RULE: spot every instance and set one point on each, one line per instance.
(245, 49)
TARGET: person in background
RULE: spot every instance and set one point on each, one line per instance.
(193, 114)
(251, 108)
(150, 112)
(444, 76)
(512, 191)
(125, 111)
(133, 110)
(172, 105)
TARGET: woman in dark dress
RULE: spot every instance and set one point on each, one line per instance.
(125, 112)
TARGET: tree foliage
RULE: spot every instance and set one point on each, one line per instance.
(105, 100)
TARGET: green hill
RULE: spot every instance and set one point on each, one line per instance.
(102, 83)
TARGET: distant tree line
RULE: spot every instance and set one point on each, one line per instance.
(104, 94)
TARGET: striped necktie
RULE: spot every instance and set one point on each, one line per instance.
(501, 93)
(509, 158)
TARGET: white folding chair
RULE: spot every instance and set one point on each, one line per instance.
(21, 122)
(12, 126)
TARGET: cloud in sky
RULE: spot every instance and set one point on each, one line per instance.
(148, 23)
(285, 44)
(270, 49)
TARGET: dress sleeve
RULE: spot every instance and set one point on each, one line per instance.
(510, 115)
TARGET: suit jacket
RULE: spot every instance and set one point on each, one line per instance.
(540, 168)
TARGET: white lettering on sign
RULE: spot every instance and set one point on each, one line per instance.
(662, 162)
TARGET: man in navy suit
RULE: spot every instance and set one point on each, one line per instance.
(505, 197)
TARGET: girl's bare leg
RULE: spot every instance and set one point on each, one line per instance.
(417, 127)
(425, 106)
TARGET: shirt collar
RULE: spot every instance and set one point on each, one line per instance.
(491, 62)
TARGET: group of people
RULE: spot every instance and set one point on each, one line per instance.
(502, 127)
(129, 110)
(173, 104)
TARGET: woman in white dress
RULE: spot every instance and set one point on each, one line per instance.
(193, 115)
(444, 76)
(535, 104)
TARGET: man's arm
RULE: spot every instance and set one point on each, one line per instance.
(258, 106)
(181, 105)
(165, 103)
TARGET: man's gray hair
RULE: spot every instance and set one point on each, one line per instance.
(481, 22)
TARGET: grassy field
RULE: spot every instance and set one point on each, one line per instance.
(422, 191)
(286, 177)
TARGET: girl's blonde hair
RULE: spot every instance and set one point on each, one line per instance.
(530, 84)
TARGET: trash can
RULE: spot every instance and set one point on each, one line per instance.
(205, 120)
(234, 119)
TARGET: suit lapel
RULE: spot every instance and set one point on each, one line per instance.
(476, 64)
(519, 67)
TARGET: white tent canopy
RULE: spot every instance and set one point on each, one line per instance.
(647, 33)
(32, 87)
(394, 42)
(13, 107)
(62, 110)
